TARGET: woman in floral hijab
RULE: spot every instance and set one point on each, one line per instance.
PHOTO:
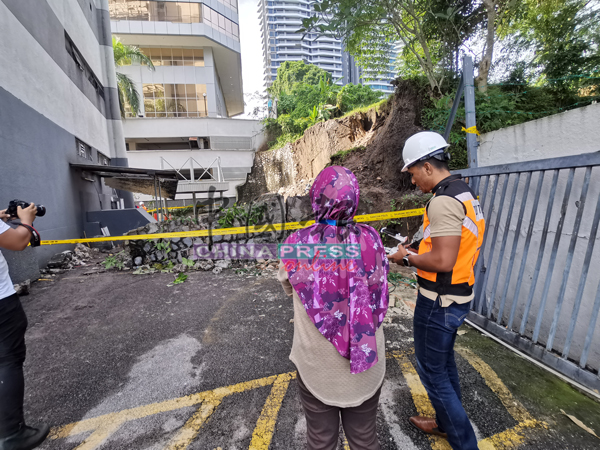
(339, 306)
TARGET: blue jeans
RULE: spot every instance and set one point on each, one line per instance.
(435, 332)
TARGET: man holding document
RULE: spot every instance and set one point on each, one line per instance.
(453, 229)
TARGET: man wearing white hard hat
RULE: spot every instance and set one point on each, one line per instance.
(453, 229)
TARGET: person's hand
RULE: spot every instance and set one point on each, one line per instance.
(397, 257)
(4, 216)
(27, 215)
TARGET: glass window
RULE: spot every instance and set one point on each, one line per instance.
(172, 12)
(198, 57)
(161, 105)
(192, 105)
(149, 107)
(195, 16)
(117, 9)
(174, 100)
(159, 91)
(180, 90)
(181, 108)
(188, 57)
(184, 11)
(148, 92)
(137, 10)
(175, 57)
(190, 91)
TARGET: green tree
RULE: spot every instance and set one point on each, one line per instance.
(565, 37)
(292, 73)
(128, 94)
(431, 31)
(452, 23)
(366, 28)
(306, 95)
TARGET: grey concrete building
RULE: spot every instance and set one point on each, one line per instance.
(58, 106)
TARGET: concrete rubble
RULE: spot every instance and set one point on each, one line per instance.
(63, 261)
(23, 288)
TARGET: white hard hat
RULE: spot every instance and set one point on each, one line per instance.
(422, 145)
(141, 203)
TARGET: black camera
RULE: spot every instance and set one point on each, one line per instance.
(12, 208)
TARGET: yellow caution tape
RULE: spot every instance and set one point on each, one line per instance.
(171, 207)
(237, 230)
(471, 130)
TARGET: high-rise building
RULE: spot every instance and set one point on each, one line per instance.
(281, 41)
(184, 122)
(279, 24)
(381, 82)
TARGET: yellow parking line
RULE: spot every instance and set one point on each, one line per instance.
(515, 409)
(102, 433)
(507, 439)
(265, 426)
(190, 430)
(103, 426)
(515, 436)
(420, 397)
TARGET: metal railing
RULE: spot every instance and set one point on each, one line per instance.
(189, 164)
(537, 278)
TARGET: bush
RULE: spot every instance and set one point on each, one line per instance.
(306, 95)
(501, 106)
(354, 96)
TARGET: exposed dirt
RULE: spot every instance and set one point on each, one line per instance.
(373, 142)
(378, 166)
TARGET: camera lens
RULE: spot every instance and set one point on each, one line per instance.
(41, 210)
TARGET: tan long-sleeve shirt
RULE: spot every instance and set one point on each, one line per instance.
(323, 370)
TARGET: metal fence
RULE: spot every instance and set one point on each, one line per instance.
(538, 274)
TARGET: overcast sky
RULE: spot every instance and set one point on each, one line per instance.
(250, 41)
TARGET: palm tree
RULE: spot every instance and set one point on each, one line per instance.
(128, 94)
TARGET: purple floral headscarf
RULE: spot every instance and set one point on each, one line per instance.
(347, 305)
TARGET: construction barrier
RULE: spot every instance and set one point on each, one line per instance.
(237, 230)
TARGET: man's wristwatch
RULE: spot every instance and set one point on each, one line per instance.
(405, 261)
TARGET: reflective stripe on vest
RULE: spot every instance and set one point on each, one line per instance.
(462, 277)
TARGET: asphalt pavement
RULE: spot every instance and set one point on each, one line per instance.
(123, 361)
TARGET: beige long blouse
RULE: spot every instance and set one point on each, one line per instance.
(323, 370)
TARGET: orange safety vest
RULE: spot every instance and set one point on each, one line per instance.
(460, 280)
